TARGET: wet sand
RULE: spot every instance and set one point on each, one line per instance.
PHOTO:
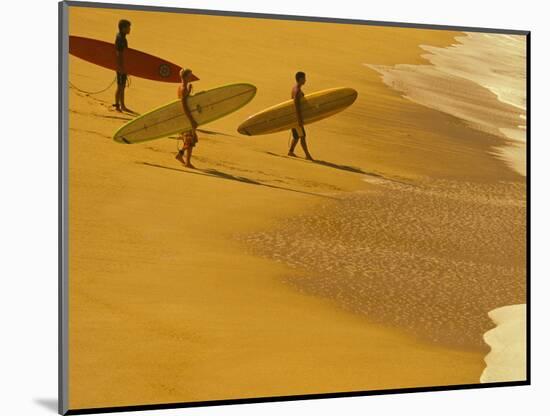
(430, 256)
(169, 301)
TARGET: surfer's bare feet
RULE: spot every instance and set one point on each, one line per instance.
(190, 166)
(292, 154)
(117, 108)
(126, 109)
(179, 157)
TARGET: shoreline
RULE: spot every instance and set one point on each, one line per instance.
(475, 81)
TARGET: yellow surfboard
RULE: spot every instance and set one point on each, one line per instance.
(205, 107)
(315, 106)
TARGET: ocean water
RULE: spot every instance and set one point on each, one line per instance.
(481, 79)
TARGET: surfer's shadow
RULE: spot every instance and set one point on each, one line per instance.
(227, 176)
(332, 165)
(114, 117)
(346, 168)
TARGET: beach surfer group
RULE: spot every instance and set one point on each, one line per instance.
(190, 138)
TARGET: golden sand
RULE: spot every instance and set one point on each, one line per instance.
(167, 302)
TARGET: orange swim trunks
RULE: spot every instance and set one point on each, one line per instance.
(189, 139)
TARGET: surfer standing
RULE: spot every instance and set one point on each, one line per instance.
(299, 133)
(189, 138)
(121, 44)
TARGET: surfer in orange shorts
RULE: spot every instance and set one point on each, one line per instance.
(189, 138)
(299, 133)
(121, 44)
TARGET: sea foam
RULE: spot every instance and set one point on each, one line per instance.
(507, 359)
(481, 79)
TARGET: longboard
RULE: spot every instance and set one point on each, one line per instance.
(136, 63)
(315, 106)
(205, 107)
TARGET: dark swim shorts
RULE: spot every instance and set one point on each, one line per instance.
(121, 79)
(296, 133)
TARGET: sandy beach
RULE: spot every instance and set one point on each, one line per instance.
(262, 275)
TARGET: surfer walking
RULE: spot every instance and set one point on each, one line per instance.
(121, 44)
(189, 138)
(299, 132)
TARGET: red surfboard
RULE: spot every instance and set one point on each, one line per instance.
(136, 63)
